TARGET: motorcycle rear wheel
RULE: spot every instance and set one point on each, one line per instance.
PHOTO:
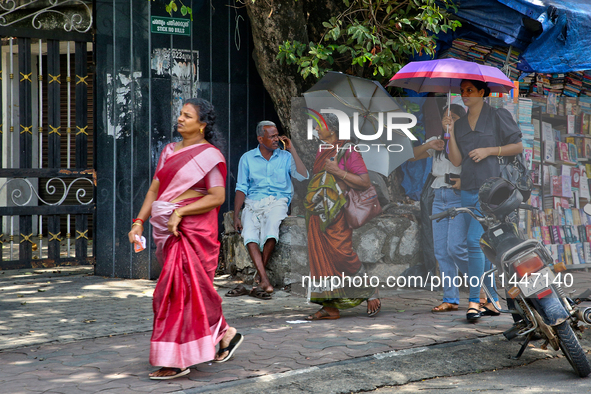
(570, 346)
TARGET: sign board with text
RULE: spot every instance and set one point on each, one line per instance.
(176, 26)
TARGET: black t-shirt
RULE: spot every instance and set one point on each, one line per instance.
(483, 136)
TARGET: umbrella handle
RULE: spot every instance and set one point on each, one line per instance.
(448, 113)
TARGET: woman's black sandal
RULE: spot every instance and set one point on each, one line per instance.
(489, 312)
(473, 317)
(231, 348)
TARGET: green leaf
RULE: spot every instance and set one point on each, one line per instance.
(336, 33)
(174, 7)
(183, 10)
(353, 36)
(168, 9)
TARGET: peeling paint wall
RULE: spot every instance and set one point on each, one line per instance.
(120, 94)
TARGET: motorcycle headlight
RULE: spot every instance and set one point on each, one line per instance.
(528, 264)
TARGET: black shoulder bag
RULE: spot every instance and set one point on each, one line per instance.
(513, 168)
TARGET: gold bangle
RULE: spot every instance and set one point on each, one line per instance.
(499, 152)
(346, 172)
(176, 213)
(136, 224)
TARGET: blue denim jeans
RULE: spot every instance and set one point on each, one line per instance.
(478, 263)
(449, 239)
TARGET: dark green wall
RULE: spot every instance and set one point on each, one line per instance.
(134, 104)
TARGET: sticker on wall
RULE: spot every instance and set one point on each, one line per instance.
(175, 26)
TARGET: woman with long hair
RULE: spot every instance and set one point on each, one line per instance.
(477, 143)
(183, 202)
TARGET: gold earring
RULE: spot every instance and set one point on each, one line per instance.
(201, 131)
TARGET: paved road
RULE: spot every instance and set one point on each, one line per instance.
(71, 332)
(544, 376)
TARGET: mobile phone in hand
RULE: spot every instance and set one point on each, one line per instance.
(449, 177)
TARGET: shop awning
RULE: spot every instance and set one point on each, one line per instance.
(555, 35)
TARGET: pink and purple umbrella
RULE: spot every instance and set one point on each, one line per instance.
(445, 75)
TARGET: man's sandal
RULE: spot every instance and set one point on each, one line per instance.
(237, 291)
(178, 373)
(259, 293)
(445, 307)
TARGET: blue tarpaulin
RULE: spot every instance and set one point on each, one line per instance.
(555, 35)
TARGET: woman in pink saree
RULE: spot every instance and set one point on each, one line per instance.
(183, 202)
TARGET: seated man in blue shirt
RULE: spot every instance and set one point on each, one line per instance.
(264, 187)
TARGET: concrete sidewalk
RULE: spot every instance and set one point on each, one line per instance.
(67, 331)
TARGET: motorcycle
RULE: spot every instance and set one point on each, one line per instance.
(536, 298)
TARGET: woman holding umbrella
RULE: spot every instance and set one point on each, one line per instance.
(476, 145)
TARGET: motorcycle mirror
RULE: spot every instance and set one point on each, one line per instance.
(587, 209)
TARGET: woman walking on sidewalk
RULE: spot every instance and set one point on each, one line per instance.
(183, 201)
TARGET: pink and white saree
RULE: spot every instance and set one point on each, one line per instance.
(188, 319)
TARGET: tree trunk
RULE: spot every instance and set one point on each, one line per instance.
(272, 23)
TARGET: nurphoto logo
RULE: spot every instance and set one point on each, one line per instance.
(386, 122)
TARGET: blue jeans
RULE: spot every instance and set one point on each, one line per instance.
(449, 239)
(478, 263)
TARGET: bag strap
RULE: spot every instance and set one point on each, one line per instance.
(342, 154)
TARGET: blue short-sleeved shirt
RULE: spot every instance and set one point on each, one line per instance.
(259, 178)
(484, 135)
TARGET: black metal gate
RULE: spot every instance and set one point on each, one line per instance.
(47, 180)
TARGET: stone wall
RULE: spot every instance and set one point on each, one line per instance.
(387, 245)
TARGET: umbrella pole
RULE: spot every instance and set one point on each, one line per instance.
(447, 135)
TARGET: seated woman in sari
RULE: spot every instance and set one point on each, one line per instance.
(183, 201)
(330, 245)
